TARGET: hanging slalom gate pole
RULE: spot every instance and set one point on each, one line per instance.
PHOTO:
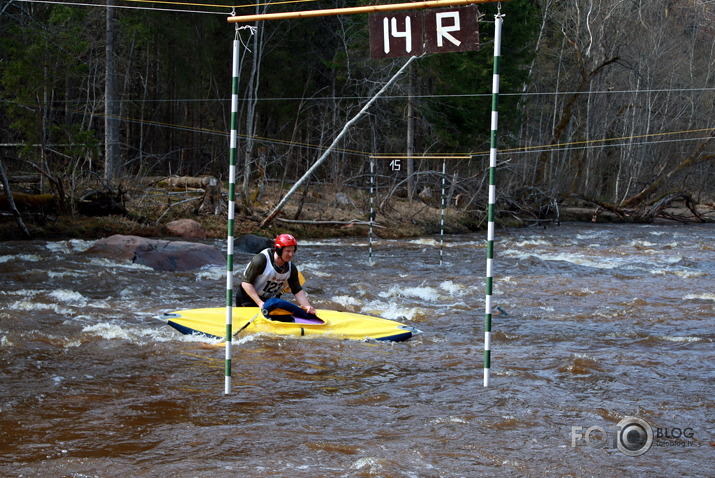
(441, 221)
(231, 210)
(233, 150)
(498, 20)
(372, 206)
(444, 192)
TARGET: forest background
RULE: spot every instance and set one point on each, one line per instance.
(606, 110)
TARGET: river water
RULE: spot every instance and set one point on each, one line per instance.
(602, 323)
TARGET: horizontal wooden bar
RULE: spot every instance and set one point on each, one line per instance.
(353, 10)
(406, 156)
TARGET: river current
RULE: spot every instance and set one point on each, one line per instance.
(605, 327)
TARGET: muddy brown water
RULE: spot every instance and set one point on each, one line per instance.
(604, 323)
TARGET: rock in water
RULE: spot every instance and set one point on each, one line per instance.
(158, 254)
(252, 244)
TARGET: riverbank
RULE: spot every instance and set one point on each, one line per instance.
(318, 213)
(315, 214)
(216, 226)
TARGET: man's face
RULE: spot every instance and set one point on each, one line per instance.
(287, 253)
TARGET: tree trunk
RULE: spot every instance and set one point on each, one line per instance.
(212, 202)
(11, 202)
(566, 115)
(252, 103)
(695, 158)
(112, 158)
(410, 135)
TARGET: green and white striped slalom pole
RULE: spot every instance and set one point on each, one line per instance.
(231, 212)
(498, 20)
(372, 206)
(444, 205)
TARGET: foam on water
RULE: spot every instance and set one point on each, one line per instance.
(442, 420)
(684, 274)
(641, 244)
(109, 264)
(28, 305)
(368, 465)
(63, 274)
(425, 293)
(530, 243)
(69, 297)
(21, 257)
(424, 242)
(316, 269)
(64, 303)
(143, 335)
(453, 289)
(23, 292)
(213, 273)
(671, 338)
(112, 331)
(391, 310)
(345, 300)
(701, 296)
(589, 236)
(68, 247)
(594, 261)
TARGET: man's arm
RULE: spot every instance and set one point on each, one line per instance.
(254, 269)
(251, 292)
(294, 280)
(303, 301)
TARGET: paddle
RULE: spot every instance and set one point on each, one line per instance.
(247, 323)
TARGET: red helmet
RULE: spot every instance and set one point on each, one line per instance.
(285, 240)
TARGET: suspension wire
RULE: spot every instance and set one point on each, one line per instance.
(173, 10)
(233, 7)
(124, 7)
(558, 147)
(590, 144)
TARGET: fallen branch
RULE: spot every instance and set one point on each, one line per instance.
(353, 222)
(648, 213)
(330, 148)
(175, 204)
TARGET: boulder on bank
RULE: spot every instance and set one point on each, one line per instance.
(186, 228)
(160, 255)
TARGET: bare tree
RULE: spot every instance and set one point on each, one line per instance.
(112, 153)
(631, 80)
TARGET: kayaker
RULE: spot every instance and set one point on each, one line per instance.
(268, 274)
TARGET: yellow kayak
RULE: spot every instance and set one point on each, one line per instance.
(343, 325)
